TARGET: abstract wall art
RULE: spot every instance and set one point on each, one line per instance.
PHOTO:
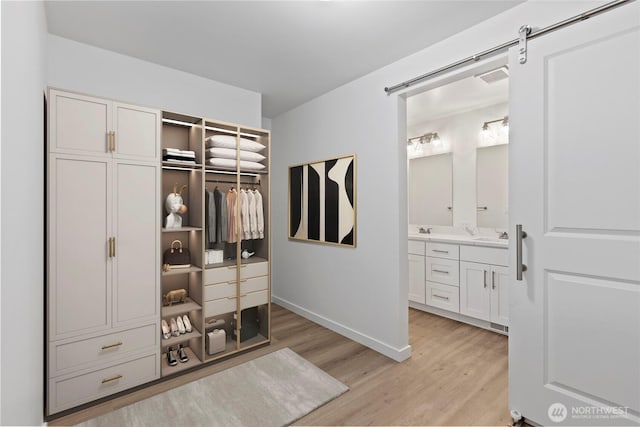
(322, 201)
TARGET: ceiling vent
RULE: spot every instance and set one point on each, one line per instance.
(493, 76)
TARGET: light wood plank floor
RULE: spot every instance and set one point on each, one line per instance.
(457, 375)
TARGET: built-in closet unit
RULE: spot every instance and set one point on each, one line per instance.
(106, 235)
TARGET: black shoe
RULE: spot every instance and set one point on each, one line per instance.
(182, 355)
(171, 358)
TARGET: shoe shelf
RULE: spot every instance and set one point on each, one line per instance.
(174, 271)
(174, 310)
(258, 339)
(230, 348)
(170, 370)
(174, 341)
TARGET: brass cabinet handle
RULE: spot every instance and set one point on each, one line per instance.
(484, 272)
(110, 248)
(114, 246)
(117, 344)
(108, 380)
(113, 140)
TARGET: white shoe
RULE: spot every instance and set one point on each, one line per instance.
(174, 327)
(187, 323)
(166, 332)
(180, 323)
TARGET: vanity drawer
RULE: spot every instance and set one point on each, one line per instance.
(73, 390)
(254, 269)
(443, 250)
(74, 355)
(443, 296)
(253, 299)
(416, 247)
(220, 306)
(220, 274)
(495, 256)
(444, 271)
(220, 290)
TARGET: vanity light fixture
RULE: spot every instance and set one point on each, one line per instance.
(427, 138)
(486, 132)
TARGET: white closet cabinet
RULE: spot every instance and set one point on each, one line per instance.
(103, 287)
(87, 125)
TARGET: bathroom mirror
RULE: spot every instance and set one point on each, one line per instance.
(492, 181)
(431, 190)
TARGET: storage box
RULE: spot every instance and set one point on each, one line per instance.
(214, 256)
(216, 341)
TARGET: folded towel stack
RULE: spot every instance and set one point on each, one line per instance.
(175, 155)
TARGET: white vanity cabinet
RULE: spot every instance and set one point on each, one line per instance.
(443, 266)
(417, 271)
(484, 284)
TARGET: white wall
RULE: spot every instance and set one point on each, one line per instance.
(24, 38)
(83, 68)
(362, 292)
(460, 135)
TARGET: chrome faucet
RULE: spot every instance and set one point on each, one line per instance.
(503, 235)
(423, 231)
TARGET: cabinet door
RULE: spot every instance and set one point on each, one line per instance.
(500, 295)
(416, 278)
(137, 131)
(136, 229)
(475, 295)
(79, 124)
(79, 266)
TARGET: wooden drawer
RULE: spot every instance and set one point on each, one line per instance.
(254, 269)
(221, 290)
(416, 247)
(254, 284)
(73, 390)
(253, 299)
(443, 296)
(219, 306)
(220, 274)
(75, 355)
(444, 271)
(443, 250)
(495, 256)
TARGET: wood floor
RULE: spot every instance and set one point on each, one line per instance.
(457, 375)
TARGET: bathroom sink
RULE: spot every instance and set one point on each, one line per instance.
(489, 239)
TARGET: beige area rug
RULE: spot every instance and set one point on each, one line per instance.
(273, 390)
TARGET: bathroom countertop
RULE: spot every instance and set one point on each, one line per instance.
(492, 242)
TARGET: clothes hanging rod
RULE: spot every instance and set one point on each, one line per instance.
(503, 47)
(218, 181)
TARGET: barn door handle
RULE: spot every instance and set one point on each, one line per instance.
(520, 267)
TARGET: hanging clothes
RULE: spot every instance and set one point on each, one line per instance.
(220, 203)
(253, 225)
(245, 232)
(210, 219)
(232, 199)
(259, 215)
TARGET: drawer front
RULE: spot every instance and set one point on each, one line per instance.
(221, 290)
(443, 296)
(443, 250)
(444, 271)
(254, 284)
(73, 390)
(254, 269)
(416, 247)
(495, 256)
(253, 299)
(220, 274)
(77, 354)
(219, 306)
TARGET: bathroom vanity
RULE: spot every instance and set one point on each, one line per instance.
(462, 278)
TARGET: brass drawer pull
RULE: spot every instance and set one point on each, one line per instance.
(108, 380)
(118, 344)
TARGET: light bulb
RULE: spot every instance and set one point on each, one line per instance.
(436, 139)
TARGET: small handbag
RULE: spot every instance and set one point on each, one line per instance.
(176, 257)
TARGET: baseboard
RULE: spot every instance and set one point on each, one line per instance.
(397, 354)
(457, 316)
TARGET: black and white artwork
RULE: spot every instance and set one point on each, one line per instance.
(322, 201)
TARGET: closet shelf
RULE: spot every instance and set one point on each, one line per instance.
(171, 370)
(230, 348)
(182, 166)
(178, 230)
(174, 341)
(191, 269)
(174, 310)
(212, 169)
